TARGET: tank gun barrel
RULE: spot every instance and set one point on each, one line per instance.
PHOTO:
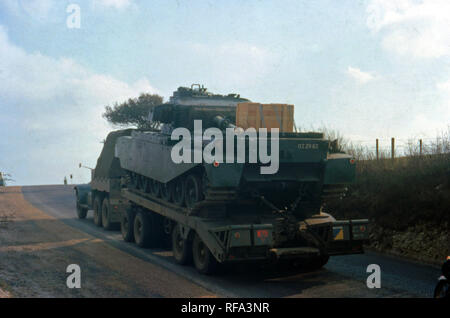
(223, 123)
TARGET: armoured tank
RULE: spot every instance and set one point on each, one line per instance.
(309, 169)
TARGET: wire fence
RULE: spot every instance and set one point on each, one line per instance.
(382, 148)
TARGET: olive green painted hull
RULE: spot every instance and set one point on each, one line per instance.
(301, 160)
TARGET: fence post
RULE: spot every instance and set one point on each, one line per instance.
(393, 148)
(378, 150)
(420, 142)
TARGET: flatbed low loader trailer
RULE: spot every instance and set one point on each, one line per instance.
(219, 229)
(154, 223)
(225, 240)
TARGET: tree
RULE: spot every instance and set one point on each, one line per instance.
(133, 112)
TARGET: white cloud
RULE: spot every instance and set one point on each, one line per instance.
(57, 106)
(444, 86)
(360, 76)
(234, 63)
(417, 28)
(40, 10)
(117, 4)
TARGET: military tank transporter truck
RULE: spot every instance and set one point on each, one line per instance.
(221, 209)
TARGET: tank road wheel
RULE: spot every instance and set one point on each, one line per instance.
(127, 226)
(182, 249)
(178, 192)
(97, 211)
(204, 261)
(134, 180)
(81, 212)
(147, 185)
(106, 221)
(156, 188)
(193, 190)
(141, 229)
(166, 191)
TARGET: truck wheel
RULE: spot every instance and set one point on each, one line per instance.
(204, 261)
(81, 212)
(106, 221)
(193, 190)
(182, 249)
(126, 226)
(178, 192)
(141, 228)
(97, 211)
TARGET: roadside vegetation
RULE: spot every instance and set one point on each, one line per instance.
(133, 112)
(407, 199)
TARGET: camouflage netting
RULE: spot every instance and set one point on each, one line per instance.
(107, 164)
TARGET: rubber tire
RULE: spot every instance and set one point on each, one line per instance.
(97, 211)
(141, 229)
(81, 212)
(182, 254)
(179, 199)
(107, 224)
(148, 230)
(127, 226)
(193, 183)
(207, 266)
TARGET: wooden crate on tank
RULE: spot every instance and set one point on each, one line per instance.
(268, 116)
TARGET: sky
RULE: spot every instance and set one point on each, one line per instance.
(365, 68)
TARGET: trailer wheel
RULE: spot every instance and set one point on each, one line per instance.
(142, 227)
(178, 192)
(148, 229)
(193, 190)
(204, 261)
(97, 211)
(182, 248)
(106, 222)
(81, 212)
(127, 226)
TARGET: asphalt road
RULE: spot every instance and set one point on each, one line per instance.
(343, 276)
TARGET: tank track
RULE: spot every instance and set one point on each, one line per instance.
(218, 197)
(210, 196)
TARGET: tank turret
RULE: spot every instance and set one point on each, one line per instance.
(196, 103)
